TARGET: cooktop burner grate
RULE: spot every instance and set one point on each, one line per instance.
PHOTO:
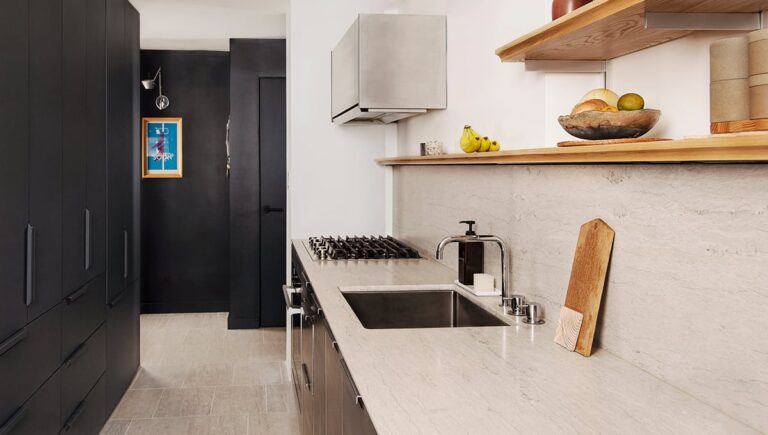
(359, 248)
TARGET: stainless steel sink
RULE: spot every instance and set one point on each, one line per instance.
(418, 309)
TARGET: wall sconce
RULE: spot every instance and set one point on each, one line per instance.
(162, 102)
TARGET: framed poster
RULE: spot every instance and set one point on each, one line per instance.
(161, 148)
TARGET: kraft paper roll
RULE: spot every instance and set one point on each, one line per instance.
(729, 100)
(758, 52)
(729, 59)
(758, 102)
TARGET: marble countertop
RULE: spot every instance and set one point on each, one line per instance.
(491, 380)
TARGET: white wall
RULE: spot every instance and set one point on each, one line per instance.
(208, 24)
(521, 108)
(335, 186)
(499, 100)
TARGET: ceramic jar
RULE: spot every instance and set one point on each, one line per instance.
(562, 7)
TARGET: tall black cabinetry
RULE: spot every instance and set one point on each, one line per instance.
(57, 321)
(122, 204)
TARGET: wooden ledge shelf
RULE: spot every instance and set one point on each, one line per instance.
(712, 149)
(606, 29)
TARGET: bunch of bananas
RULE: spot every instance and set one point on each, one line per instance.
(472, 142)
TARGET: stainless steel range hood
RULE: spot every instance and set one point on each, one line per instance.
(389, 67)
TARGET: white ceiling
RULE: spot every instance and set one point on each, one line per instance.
(208, 24)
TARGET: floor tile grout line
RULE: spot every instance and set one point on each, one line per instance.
(157, 407)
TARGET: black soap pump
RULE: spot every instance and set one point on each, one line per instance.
(470, 257)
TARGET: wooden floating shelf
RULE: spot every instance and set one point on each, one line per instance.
(740, 148)
(606, 29)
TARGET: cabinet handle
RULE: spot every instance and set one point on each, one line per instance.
(358, 397)
(306, 377)
(74, 416)
(75, 355)
(77, 294)
(15, 419)
(335, 346)
(125, 254)
(269, 209)
(13, 340)
(288, 293)
(114, 302)
(87, 239)
(29, 284)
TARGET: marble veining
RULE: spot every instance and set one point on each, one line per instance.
(492, 380)
(687, 290)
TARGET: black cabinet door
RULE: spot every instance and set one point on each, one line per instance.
(84, 136)
(96, 175)
(76, 217)
(122, 344)
(119, 206)
(14, 125)
(45, 153)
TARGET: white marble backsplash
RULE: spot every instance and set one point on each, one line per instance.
(687, 293)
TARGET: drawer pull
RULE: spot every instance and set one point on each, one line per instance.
(75, 355)
(13, 340)
(74, 416)
(15, 419)
(76, 295)
(114, 302)
(358, 397)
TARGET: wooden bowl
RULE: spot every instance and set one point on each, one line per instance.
(596, 125)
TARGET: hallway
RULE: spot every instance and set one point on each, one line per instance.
(199, 378)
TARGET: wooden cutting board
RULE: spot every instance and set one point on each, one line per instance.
(585, 290)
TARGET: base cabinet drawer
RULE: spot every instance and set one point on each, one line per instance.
(81, 370)
(40, 415)
(83, 312)
(27, 359)
(88, 417)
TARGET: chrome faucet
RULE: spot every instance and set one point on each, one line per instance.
(506, 298)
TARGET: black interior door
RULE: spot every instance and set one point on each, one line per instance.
(272, 161)
(14, 125)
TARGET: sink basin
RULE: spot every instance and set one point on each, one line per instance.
(418, 309)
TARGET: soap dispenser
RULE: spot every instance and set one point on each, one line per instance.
(470, 257)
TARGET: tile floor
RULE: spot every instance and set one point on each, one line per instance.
(198, 378)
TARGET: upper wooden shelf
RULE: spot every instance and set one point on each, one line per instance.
(722, 148)
(606, 29)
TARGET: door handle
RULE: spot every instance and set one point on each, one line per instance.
(288, 293)
(125, 254)
(87, 239)
(29, 284)
(268, 209)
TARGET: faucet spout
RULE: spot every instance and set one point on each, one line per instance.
(452, 239)
(506, 297)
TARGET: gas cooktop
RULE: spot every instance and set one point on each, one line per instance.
(358, 248)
